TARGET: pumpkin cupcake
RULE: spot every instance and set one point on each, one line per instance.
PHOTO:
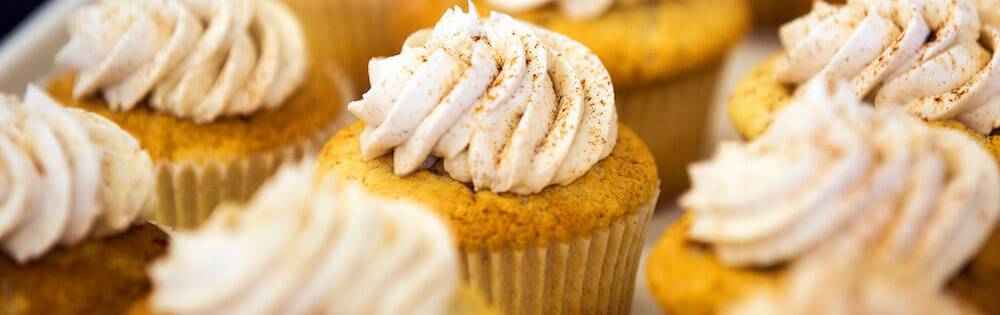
(300, 247)
(937, 59)
(510, 132)
(664, 57)
(924, 200)
(219, 92)
(73, 188)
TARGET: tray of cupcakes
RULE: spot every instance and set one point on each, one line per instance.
(499, 157)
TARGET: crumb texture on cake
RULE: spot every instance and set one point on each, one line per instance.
(98, 276)
(615, 187)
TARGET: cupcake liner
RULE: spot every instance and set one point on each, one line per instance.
(188, 192)
(671, 116)
(590, 274)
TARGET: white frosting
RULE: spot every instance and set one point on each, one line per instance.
(580, 9)
(195, 59)
(841, 282)
(832, 167)
(509, 107)
(65, 174)
(933, 57)
(302, 248)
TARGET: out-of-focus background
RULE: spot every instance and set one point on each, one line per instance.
(33, 30)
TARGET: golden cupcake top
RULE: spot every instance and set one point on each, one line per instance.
(301, 247)
(935, 58)
(508, 107)
(197, 60)
(831, 167)
(65, 175)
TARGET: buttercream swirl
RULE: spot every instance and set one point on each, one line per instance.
(831, 167)
(302, 248)
(195, 59)
(933, 57)
(509, 107)
(65, 174)
(579, 9)
(842, 282)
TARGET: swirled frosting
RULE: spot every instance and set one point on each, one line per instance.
(302, 248)
(509, 107)
(841, 282)
(580, 9)
(933, 57)
(195, 59)
(65, 174)
(832, 167)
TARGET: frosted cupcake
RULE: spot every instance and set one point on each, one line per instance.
(934, 58)
(73, 188)
(831, 169)
(302, 248)
(219, 92)
(510, 132)
(664, 57)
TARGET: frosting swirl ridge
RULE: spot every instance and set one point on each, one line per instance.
(507, 106)
(303, 248)
(65, 174)
(933, 57)
(831, 167)
(195, 59)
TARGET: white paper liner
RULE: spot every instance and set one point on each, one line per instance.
(592, 274)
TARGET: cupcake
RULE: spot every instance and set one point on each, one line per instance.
(936, 59)
(219, 92)
(664, 57)
(73, 188)
(923, 200)
(299, 247)
(510, 132)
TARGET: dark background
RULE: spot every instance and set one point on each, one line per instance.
(13, 12)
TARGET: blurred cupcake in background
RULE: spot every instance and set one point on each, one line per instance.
(73, 190)
(302, 247)
(219, 92)
(664, 57)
